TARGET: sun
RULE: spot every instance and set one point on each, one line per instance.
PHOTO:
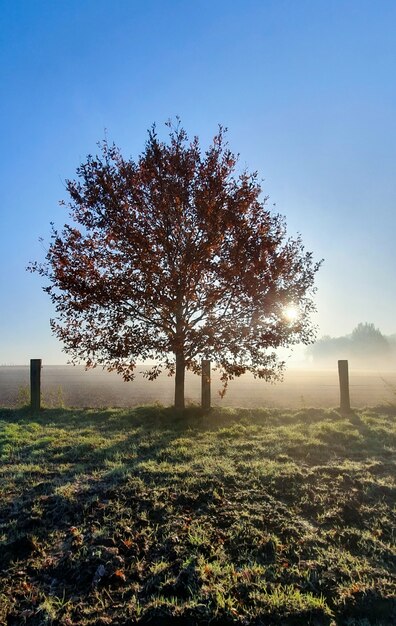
(291, 313)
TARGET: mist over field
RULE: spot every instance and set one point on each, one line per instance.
(302, 387)
(366, 347)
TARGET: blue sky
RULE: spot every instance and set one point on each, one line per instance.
(307, 90)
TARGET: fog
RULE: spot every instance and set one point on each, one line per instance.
(302, 387)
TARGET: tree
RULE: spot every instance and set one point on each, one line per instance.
(173, 258)
(366, 345)
(369, 343)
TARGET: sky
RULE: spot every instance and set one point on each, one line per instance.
(306, 89)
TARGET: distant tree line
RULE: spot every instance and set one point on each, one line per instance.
(365, 345)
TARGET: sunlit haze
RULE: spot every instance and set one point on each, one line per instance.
(291, 313)
(306, 90)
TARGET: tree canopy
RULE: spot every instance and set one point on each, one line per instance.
(175, 257)
(365, 346)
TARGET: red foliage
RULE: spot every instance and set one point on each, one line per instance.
(175, 258)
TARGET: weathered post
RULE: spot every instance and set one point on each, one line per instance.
(345, 404)
(35, 384)
(205, 384)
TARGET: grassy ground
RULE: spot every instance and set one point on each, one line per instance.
(236, 517)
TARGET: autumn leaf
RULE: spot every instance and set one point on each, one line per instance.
(120, 575)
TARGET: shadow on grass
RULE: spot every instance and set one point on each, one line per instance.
(100, 490)
(337, 432)
(68, 418)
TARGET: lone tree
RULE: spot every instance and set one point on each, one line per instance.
(173, 258)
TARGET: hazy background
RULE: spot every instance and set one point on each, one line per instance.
(301, 389)
(306, 88)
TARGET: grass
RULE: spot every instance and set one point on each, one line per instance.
(234, 517)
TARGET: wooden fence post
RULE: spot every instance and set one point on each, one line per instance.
(345, 404)
(205, 384)
(35, 384)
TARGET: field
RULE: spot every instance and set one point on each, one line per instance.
(239, 516)
(301, 388)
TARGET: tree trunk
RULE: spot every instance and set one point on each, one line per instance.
(179, 382)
